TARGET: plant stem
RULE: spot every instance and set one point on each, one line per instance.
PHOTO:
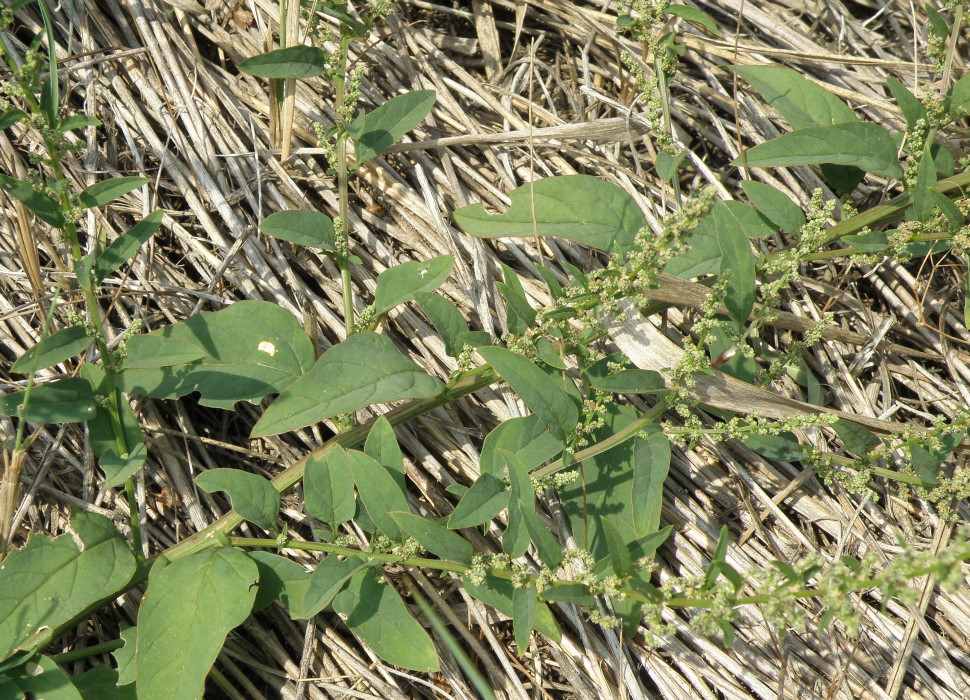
(93, 650)
(343, 232)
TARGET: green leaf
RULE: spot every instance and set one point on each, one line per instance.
(801, 102)
(117, 467)
(125, 656)
(858, 440)
(123, 248)
(515, 538)
(536, 388)
(959, 97)
(42, 205)
(520, 316)
(188, 609)
(307, 228)
(667, 164)
(251, 495)
(924, 463)
(280, 579)
(330, 576)
(703, 254)
(105, 191)
(499, 594)
(651, 463)
(11, 117)
(526, 438)
(149, 351)
(616, 545)
(291, 62)
(631, 381)
(720, 551)
(745, 218)
(338, 13)
(375, 131)
(78, 121)
(520, 481)
(381, 445)
(863, 145)
(53, 349)
(578, 208)
(737, 262)
(486, 498)
(252, 348)
(548, 549)
(328, 488)
(101, 683)
(399, 284)
(923, 202)
(910, 105)
(575, 593)
(379, 493)
(62, 401)
(49, 581)
(40, 678)
(695, 16)
(364, 369)
(784, 446)
(938, 25)
(446, 319)
(524, 601)
(435, 538)
(375, 612)
(775, 205)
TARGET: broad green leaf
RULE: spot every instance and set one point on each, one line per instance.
(11, 117)
(549, 354)
(328, 488)
(307, 228)
(519, 314)
(49, 581)
(375, 131)
(364, 369)
(378, 492)
(291, 62)
(863, 145)
(692, 14)
(737, 262)
(446, 319)
(526, 438)
(926, 462)
(520, 482)
(616, 545)
(667, 164)
(251, 495)
(801, 102)
(486, 498)
(910, 105)
(188, 609)
(751, 222)
(549, 550)
(101, 683)
(149, 351)
(703, 256)
(720, 552)
(938, 25)
(117, 465)
(435, 538)
(632, 381)
(499, 593)
(105, 191)
(125, 656)
(252, 348)
(515, 537)
(399, 284)
(375, 612)
(344, 17)
(55, 348)
(382, 446)
(537, 389)
(330, 576)
(579, 208)
(575, 593)
(123, 248)
(784, 446)
(41, 204)
(280, 578)
(959, 97)
(651, 462)
(78, 121)
(63, 401)
(775, 205)
(524, 603)
(923, 202)
(858, 440)
(40, 678)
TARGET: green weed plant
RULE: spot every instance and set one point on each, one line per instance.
(198, 590)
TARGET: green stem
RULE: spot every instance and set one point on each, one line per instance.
(93, 650)
(343, 233)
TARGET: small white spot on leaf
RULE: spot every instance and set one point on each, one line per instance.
(267, 347)
(33, 669)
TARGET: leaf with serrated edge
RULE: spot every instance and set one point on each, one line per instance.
(375, 612)
(55, 348)
(364, 369)
(578, 208)
(251, 495)
(400, 283)
(49, 581)
(188, 609)
(536, 388)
